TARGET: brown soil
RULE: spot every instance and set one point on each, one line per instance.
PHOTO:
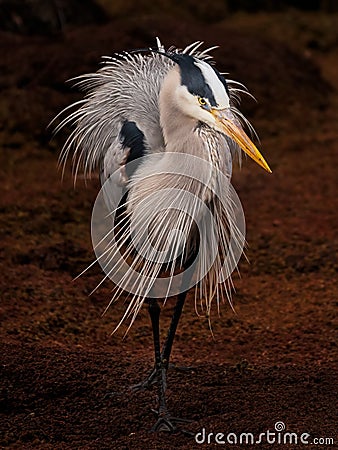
(276, 358)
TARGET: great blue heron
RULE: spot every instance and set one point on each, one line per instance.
(163, 124)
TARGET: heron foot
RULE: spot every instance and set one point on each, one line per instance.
(181, 368)
(115, 395)
(151, 380)
(168, 424)
(146, 384)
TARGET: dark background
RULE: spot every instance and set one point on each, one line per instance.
(275, 359)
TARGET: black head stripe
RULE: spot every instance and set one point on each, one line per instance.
(192, 77)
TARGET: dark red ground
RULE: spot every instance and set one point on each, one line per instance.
(276, 359)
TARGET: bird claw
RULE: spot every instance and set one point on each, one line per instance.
(168, 424)
(147, 384)
(143, 386)
(113, 395)
(181, 368)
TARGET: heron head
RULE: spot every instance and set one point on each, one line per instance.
(203, 94)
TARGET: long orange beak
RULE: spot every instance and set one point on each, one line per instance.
(228, 127)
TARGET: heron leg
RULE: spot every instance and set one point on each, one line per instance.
(154, 313)
(165, 421)
(160, 369)
(167, 347)
(168, 343)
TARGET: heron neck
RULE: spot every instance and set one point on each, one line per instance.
(180, 136)
(180, 131)
(178, 128)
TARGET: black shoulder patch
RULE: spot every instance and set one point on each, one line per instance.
(131, 136)
(192, 77)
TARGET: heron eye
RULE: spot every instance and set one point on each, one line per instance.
(202, 101)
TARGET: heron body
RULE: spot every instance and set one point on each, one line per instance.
(165, 126)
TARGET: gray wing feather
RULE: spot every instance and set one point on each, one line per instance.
(126, 88)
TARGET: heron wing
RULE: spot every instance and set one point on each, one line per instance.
(119, 119)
